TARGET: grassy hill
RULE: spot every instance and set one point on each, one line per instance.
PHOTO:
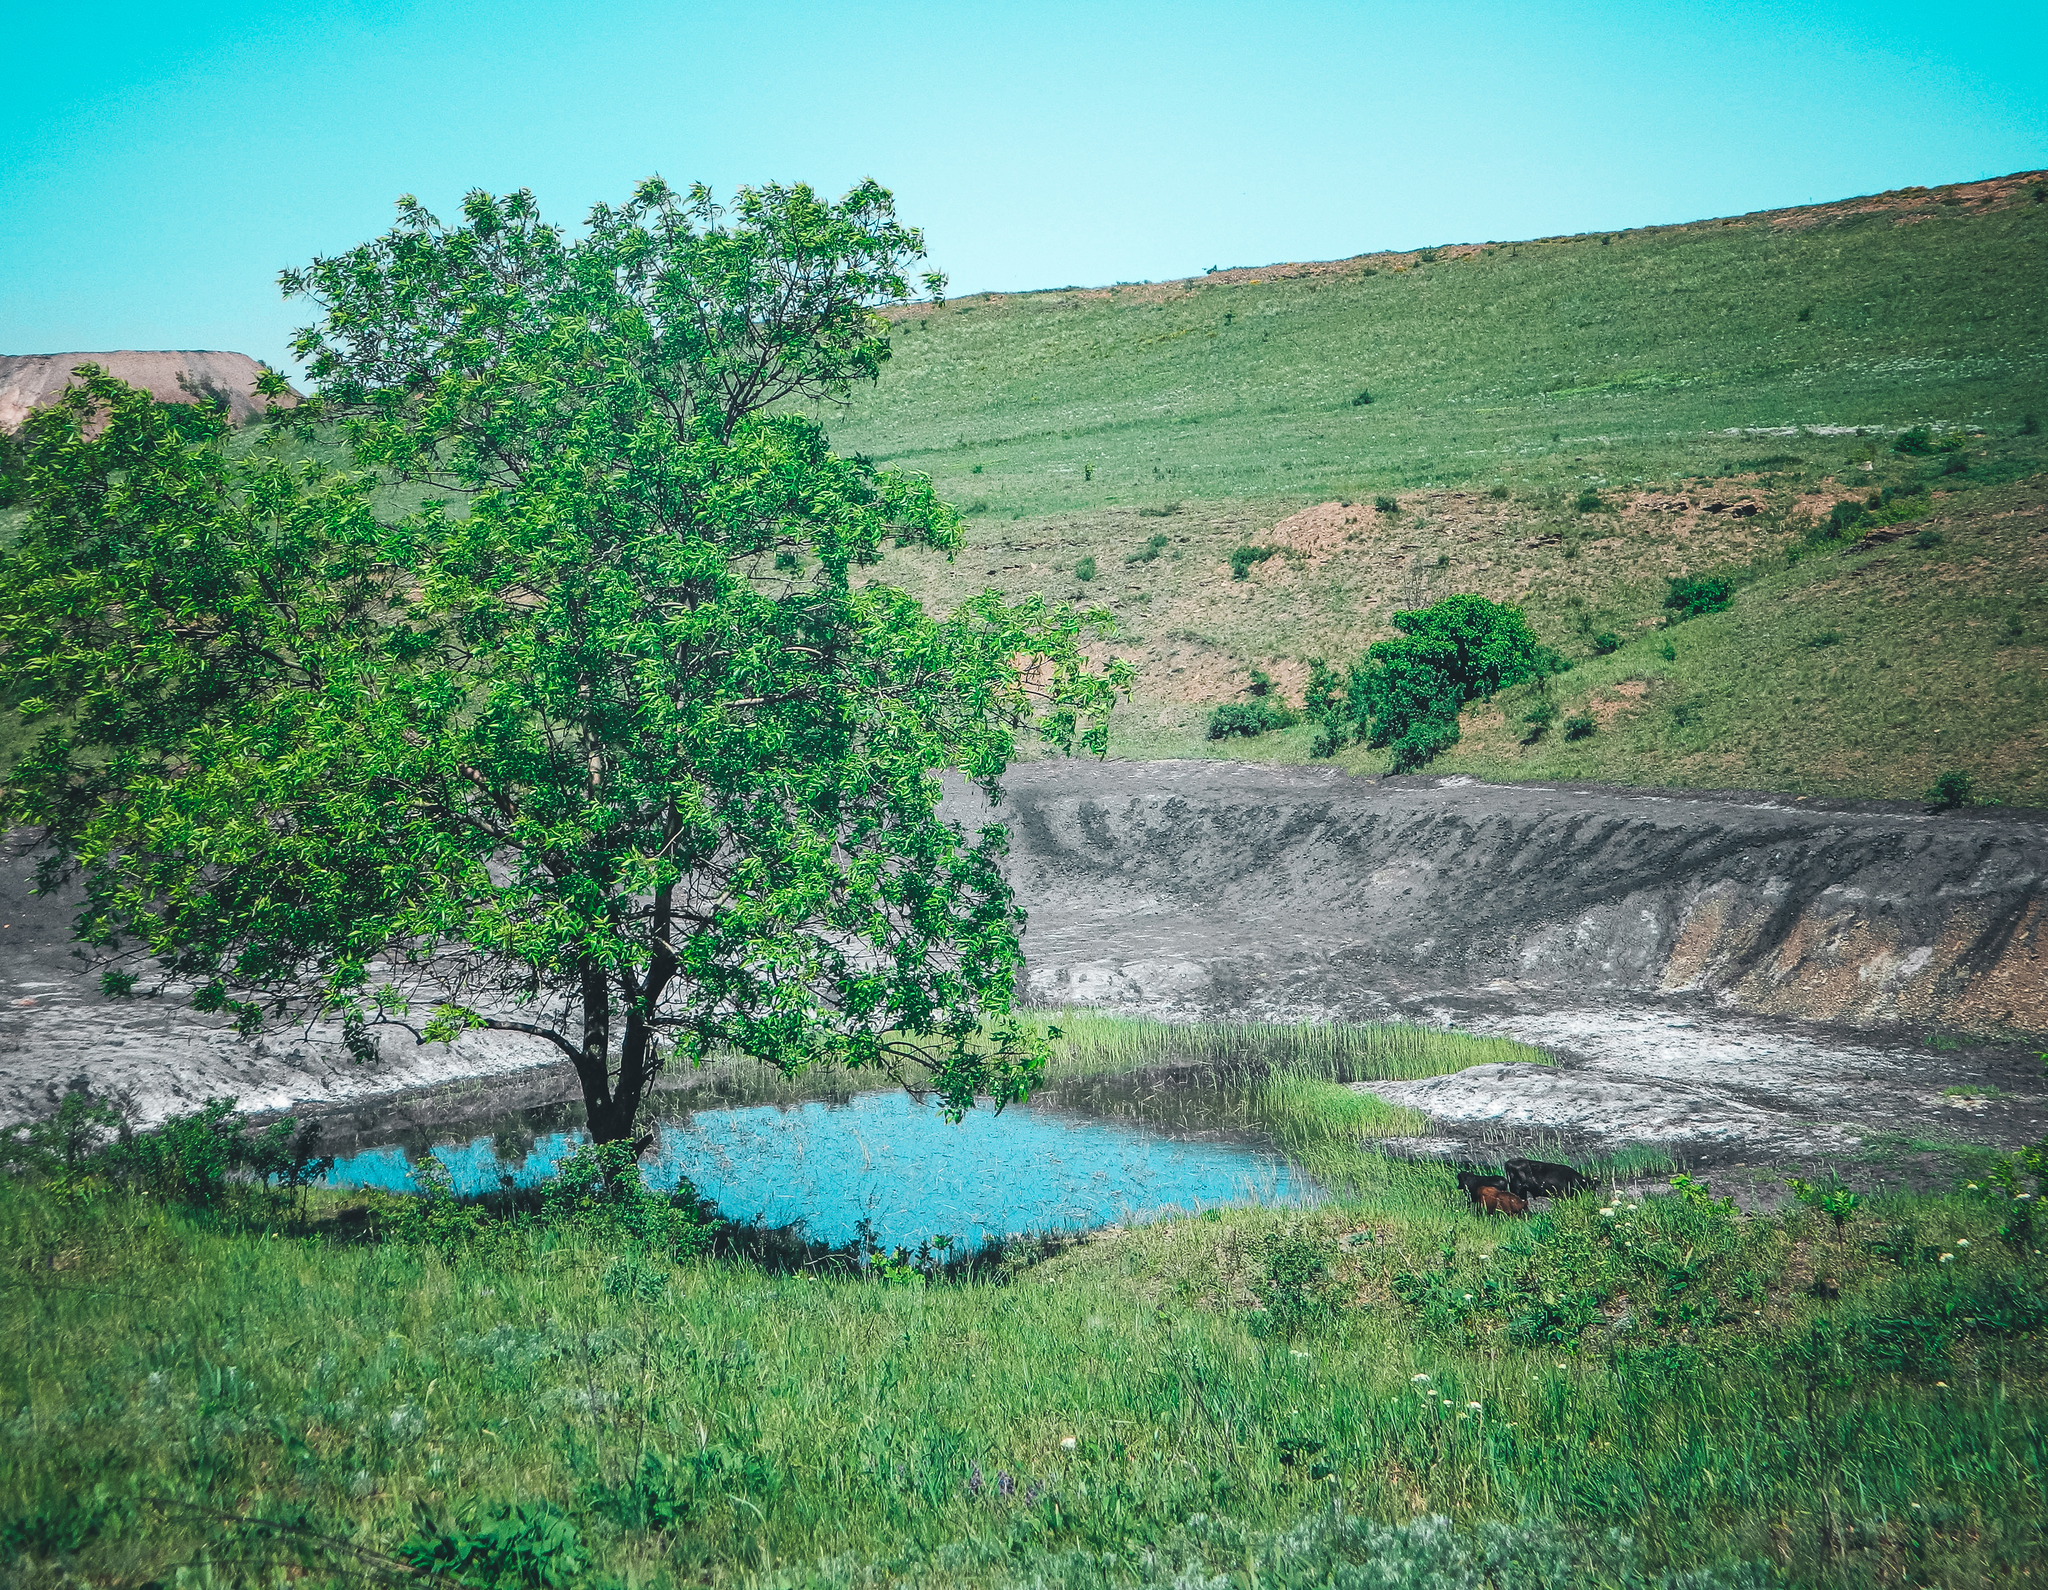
(1565, 423)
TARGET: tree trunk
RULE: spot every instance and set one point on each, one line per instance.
(608, 1122)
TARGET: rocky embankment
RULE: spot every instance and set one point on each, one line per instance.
(1719, 974)
(35, 380)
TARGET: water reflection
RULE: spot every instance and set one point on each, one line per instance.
(883, 1158)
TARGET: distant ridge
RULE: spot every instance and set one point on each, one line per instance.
(34, 380)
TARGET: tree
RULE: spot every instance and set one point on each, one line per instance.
(610, 741)
(1407, 692)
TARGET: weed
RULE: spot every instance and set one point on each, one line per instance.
(1154, 545)
(1826, 637)
(1834, 1200)
(1248, 719)
(1084, 570)
(1363, 398)
(1589, 500)
(1296, 1292)
(1606, 643)
(1927, 540)
(1497, 492)
(1165, 510)
(1386, 505)
(1579, 727)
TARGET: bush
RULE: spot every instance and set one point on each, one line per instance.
(1606, 643)
(1928, 539)
(1539, 718)
(1154, 545)
(1084, 571)
(1162, 512)
(517, 1547)
(1916, 442)
(1242, 558)
(1498, 492)
(1248, 719)
(1361, 400)
(1589, 501)
(1844, 517)
(1952, 789)
(1386, 505)
(1693, 594)
(2030, 425)
(1406, 693)
(1579, 727)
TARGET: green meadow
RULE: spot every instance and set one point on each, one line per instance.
(1536, 411)
(1642, 1386)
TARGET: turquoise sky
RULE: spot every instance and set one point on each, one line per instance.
(162, 163)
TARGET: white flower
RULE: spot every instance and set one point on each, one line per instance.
(2022, 1197)
(1067, 1444)
(1468, 1297)
(1948, 1258)
(1964, 1243)
(1607, 1214)
(1972, 1188)
(1634, 1207)
(1560, 1366)
(1475, 1407)
(1418, 1380)
(1941, 1385)
(1296, 1352)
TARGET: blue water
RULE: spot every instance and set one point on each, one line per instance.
(884, 1158)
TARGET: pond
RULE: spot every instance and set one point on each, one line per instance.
(883, 1158)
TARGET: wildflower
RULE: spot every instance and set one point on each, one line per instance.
(1607, 1214)
(1560, 1366)
(1067, 1444)
(1419, 1380)
(2022, 1197)
(1296, 1352)
(1468, 1297)
(1972, 1188)
(1948, 1258)
(1473, 1406)
(1941, 1385)
(1963, 1243)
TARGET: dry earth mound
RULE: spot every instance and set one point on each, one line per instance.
(34, 380)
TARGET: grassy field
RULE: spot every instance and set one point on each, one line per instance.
(1625, 1391)
(1669, 373)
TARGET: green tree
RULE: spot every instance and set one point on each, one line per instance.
(574, 749)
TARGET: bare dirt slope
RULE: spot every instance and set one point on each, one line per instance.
(34, 380)
(1723, 975)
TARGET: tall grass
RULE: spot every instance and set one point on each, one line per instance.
(213, 1402)
(1096, 1043)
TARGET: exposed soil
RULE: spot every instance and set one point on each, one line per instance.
(35, 380)
(1729, 977)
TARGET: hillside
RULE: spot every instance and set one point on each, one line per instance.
(1564, 423)
(33, 380)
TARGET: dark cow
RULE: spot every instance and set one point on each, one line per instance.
(1474, 1182)
(1536, 1178)
(1496, 1202)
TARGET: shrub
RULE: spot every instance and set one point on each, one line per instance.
(517, 1547)
(1579, 727)
(1834, 1200)
(1261, 685)
(1916, 442)
(1386, 505)
(1406, 693)
(1085, 569)
(1952, 789)
(1693, 594)
(1361, 400)
(1539, 718)
(1154, 545)
(1498, 492)
(1843, 517)
(1804, 315)
(1248, 719)
(2030, 425)
(1165, 510)
(1957, 464)
(1927, 539)
(1589, 501)
(1606, 643)
(1242, 558)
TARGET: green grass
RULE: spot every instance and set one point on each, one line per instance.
(221, 1399)
(1550, 366)
(1507, 384)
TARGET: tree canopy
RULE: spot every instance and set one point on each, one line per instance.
(612, 741)
(1407, 692)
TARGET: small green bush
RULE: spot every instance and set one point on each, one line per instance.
(1914, 443)
(1694, 594)
(1164, 511)
(516, 1547)
(1539, 718)
(1154, 545)
(1589, 501)
(1579, 727)
(1929, 539)
(1606, 643)
(1386, 505)
(1242, 558)
(1361, 400)
(1085, 569)
(1952, 789)
(2030, 425)
(1498, 492)
(1248, 719)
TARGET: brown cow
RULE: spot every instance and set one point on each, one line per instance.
(1496, 1202)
